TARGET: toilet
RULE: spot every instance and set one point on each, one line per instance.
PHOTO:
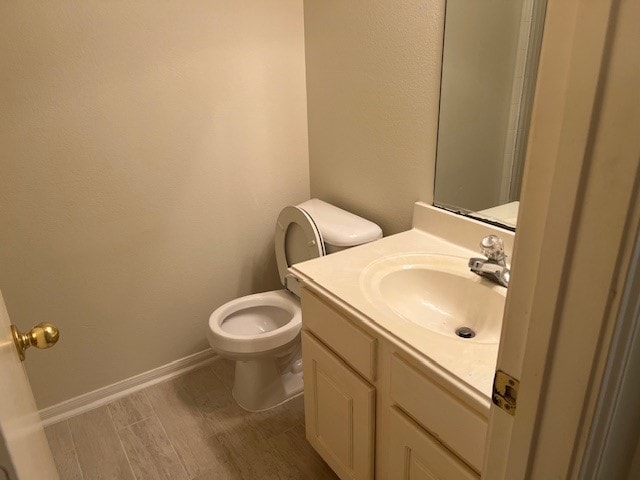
(261, 332)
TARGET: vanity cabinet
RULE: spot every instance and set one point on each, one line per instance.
(339, 399)
(339, 411)
(372, 412)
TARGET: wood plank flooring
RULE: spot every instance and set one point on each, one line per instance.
(188, 428)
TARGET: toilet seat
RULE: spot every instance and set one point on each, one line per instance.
(295, 222)
(225, 340)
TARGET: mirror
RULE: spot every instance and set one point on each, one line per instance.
(490, 59)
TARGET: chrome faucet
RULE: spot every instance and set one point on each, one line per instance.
(494, 267)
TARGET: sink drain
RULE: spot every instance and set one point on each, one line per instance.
(465, 332)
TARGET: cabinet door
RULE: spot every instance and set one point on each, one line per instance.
(416, 455)
(339, 411)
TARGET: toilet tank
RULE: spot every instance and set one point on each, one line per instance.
(339, 228)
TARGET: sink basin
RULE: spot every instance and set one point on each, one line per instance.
(438, 293)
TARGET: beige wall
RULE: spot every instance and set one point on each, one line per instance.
(373, 79)
(146, 149)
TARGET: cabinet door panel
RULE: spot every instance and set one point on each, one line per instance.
(416, 455)
(439, 411)
(339, 411)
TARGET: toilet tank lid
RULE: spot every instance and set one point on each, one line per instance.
(339, 227)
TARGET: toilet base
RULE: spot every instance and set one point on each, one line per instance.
(266, 383)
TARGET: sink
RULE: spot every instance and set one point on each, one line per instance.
(437, 293)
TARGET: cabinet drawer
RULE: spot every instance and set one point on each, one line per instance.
(416, 455)
(339, 412)
(462, 429)
(354, 345)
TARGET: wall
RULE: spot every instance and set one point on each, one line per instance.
(373, 79)
(146, 149)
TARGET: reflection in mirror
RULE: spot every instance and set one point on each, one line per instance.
(490, 59)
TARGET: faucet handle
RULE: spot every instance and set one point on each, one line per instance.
(492, 247)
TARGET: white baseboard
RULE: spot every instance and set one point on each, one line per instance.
(102, 396)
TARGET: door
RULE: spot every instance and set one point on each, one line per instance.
(24, 451)
(579, 220)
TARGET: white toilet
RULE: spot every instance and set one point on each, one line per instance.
(261, 332)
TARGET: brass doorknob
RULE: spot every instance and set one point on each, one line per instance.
(43, 335)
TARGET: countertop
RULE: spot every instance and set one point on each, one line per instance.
(468, 366)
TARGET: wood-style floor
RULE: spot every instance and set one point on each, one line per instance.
(187, 428)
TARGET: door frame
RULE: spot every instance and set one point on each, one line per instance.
(615, 431)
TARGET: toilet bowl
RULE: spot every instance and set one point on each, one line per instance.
(261, 332)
